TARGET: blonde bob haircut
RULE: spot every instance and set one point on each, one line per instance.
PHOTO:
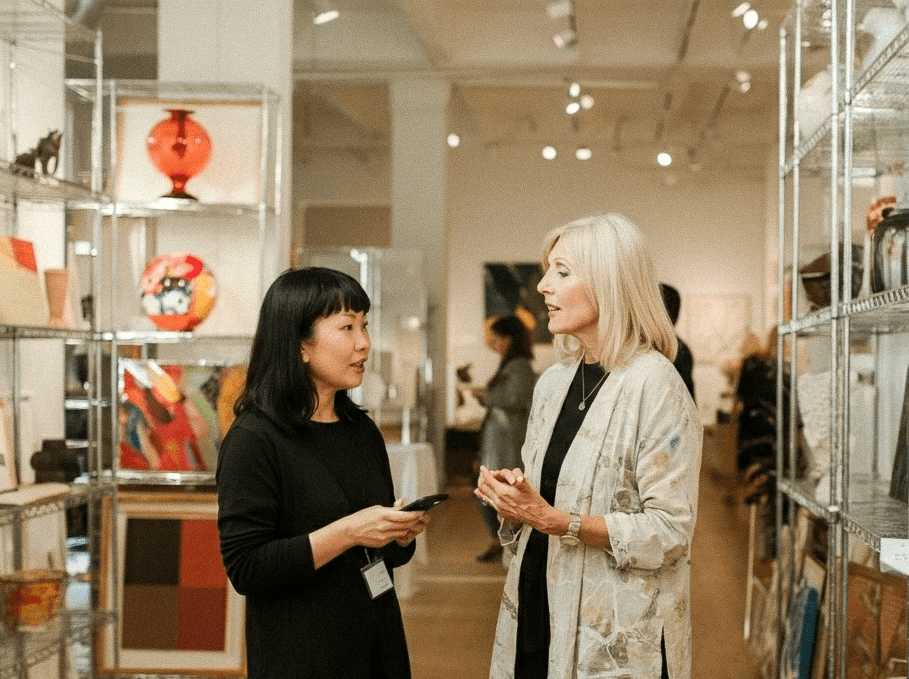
(607, 252)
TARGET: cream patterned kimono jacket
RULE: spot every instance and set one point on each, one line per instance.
(635, 461)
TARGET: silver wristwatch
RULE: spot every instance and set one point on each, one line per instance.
(570, 539)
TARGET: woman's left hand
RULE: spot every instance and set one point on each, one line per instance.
(514, 499)
(416, 529)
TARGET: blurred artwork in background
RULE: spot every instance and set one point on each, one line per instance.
(511, 289)
(174, 416)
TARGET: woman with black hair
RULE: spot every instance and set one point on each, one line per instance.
(507, 398)
(308, 523)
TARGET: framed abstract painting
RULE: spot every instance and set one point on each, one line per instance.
(173, 416)
(178, 612)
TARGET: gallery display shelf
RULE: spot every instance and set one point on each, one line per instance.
(41, 188)
(805, 493)
(85, 404)
(21, 650)
(871, 514)
(183, 207)
(16, 332)
(79, 494)
(882, 313)
(166, 337)
(39, 21)
(878, 117)
(815, 322)
(133, 477)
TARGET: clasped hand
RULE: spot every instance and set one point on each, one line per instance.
(511, 495)
(376, 526)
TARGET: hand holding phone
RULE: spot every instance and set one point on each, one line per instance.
(425, 503)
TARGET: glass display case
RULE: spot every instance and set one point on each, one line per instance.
(397, 378)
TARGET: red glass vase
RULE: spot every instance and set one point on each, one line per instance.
(180, 148)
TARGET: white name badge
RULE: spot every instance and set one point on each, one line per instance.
(378, 581)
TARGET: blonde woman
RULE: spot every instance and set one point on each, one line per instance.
(601, 519)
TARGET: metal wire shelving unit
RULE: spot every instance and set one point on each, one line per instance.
(38, 30)
(865, 131)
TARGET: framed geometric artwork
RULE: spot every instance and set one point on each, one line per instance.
(178, 612)
(511, 289)
(173, 416)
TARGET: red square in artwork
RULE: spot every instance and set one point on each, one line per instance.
(201, 618)
(200, 557)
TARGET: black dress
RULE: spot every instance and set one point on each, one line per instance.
(532, 651)
(273, 490)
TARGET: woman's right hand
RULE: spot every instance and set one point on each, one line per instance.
(376, 526)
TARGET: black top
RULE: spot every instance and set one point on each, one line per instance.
(532, 652)
(273, 490)
(684, 363)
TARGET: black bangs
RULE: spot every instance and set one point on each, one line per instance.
(342, 293)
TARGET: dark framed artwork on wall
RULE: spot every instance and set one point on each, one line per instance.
(510, 288)
(178, 612)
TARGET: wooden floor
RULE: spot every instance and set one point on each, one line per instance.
(450, 620)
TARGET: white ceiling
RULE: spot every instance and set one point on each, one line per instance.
(662, 74)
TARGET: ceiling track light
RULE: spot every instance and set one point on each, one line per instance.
(577, 99)
(741, 9)
(326, 16)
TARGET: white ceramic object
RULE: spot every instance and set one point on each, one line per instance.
(883, 24)
(814, 103)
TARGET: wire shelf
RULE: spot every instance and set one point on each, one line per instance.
(35, 187)
(804, 493)
(21, 650)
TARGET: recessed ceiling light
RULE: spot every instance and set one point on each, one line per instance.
(751, 18)
(574, 89)
(583, 153)
(454, 141)
(549, 152)
(741, 9)
(586, 102)
(325, 17)
(664, 159)
(573, 107)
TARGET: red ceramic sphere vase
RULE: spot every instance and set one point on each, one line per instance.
(180, 148)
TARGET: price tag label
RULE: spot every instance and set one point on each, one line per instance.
(895, 554)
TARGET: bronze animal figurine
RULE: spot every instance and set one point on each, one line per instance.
(47, 150)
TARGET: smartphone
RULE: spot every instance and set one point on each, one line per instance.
(425, 503)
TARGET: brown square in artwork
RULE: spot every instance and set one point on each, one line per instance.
(150, 617)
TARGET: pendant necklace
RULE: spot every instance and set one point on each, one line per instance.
(582, 405)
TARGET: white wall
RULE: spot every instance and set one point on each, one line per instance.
(706, 234)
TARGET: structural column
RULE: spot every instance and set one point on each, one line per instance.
(418, 215)
(234, 41)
